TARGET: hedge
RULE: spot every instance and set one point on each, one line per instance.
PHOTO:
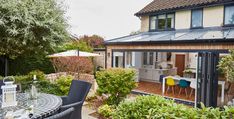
(157, 107)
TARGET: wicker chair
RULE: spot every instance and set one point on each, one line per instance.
(63, 115)
(76, 97)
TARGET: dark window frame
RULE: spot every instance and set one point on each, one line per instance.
(191, 21)
(156, 23)
(224, 16)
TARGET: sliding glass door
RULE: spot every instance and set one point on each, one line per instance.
(207, 78)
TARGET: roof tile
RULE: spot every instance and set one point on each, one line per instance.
(161, 5)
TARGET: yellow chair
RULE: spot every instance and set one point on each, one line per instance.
(170, 84)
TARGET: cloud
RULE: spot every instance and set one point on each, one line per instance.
(108, 18)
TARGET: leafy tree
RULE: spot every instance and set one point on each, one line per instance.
(31, 26)
(94, 41)
(226, 65)
(81, 45)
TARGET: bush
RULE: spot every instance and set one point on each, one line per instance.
(116, 82)
(64, 83)
(106, 110)
(155, 107)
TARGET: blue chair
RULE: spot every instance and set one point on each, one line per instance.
(161, 80)
(183, 84)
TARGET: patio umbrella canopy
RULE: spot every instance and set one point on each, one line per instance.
(72, 53)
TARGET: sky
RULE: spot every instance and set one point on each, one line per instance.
(107, 18)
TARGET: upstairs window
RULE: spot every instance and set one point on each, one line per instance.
(153, 23)
(162, 22)
(229, 15)
(196, 20)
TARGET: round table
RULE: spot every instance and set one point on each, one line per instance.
(44, 106)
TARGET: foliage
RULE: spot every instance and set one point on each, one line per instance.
(75, 45)
(116, 82)
(26, 63)
(94, 41)
(156, 107)
(64, 83)
(226, 65)
(83, 43)
(60, 87)
(106, 110)
(31, 26)
(73, 64)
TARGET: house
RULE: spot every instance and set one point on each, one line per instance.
(179, 37)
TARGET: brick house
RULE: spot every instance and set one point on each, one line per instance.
(179, 36)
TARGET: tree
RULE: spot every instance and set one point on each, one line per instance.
(94, 41)
(75, 45)
(31, 26)
(226, 65)
(83, 43)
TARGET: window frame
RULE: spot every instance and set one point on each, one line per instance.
(156, 22)
(224, 16)
(191, 21)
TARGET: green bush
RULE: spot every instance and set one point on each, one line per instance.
(106, 110)
(116, 82)
(64, 83)
(156, 107)
(60, 87)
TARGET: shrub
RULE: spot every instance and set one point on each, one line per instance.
(106, 110)
(116, 82)
(40, 75)
(64, 83)
(156, 107)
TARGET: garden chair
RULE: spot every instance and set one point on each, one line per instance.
(63, 115)
(170, 84)
(193, 86)
(76, 97)
(161, 80)
(183, 84)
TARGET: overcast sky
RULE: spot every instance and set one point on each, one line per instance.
(107, 18)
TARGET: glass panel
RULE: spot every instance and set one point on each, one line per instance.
(161, 22)
(230, 34)
(145, 58)
(195, 34)
(219, 34)
(170, 21)
(196, 18)
(153, 23)
(155, 36)
(151, 57)
(229, 15)
(118, 59)
(129, 59)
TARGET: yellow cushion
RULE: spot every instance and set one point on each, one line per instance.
(170, 81)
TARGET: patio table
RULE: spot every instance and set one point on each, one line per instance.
(222, 83)
(44, 106)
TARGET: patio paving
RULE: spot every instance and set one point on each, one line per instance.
(86, 111)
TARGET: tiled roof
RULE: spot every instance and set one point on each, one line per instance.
(164, 5)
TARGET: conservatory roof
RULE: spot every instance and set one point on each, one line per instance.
(206, 35)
